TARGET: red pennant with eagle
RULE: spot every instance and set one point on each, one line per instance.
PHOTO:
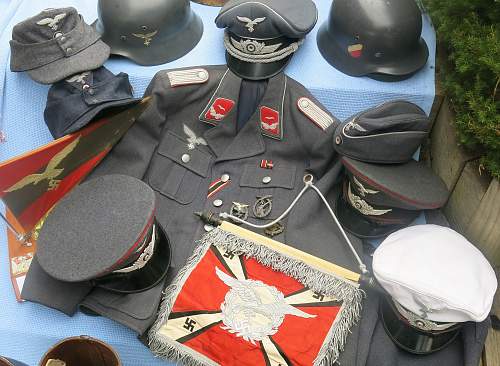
(31, 184)
(229, 309)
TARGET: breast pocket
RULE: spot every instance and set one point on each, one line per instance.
(176, 171)
(278, 183)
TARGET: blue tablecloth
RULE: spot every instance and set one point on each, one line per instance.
(27, 330)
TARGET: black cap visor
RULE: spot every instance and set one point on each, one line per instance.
(411, 339)
(146, 277)
(402, 67)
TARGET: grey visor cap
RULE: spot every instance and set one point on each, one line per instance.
(165, 46)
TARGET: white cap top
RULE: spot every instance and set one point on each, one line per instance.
(436, 273)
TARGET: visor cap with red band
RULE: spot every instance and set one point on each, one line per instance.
(104, 231)
(379, 199)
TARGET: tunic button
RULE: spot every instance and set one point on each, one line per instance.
(69, 49)
(304, 103)
(338, 140)
(224, 178)
(217, 203)
(185, 158)
(63, 39)
(266, 180)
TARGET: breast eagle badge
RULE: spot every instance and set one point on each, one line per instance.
(148, 37)
(249, 23)
(192, 139)
(52, 22)
(51, 171)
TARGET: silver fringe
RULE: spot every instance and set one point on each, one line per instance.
(310, 277)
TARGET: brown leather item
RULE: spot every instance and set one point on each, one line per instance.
(82, 351)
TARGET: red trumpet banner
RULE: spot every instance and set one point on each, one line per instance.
(235, 311)
(32, 183)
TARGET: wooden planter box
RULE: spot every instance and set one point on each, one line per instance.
(473, 208)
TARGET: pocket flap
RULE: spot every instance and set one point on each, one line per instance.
(282, 176)
(174, 147)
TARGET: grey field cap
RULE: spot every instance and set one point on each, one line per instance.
(387, 134)
(55, 44)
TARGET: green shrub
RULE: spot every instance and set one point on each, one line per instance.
(468, 34)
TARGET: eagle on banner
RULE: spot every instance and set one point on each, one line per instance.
(31, 184)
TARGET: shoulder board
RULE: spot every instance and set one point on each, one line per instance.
(187, 77)
(311, 110)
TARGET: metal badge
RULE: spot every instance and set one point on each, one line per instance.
(239, 210)
(362, 206)
(148, 37)
(52, 23)
(79, 78)
(361, 188)
(192, 139)
(275, 229)
(254, 47)
(263, 206)
(249, 23)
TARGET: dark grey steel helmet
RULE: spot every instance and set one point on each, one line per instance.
(149, 32)
(377, 38)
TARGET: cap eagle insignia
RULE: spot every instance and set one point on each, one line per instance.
(79, 78)
(52, 22)
(148, 37)
(361, 188)
(249, 23)
(362, 206)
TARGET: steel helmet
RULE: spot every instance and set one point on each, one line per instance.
(149, 32)
(377, 38)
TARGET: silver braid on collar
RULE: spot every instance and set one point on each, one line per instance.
(262, 57)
